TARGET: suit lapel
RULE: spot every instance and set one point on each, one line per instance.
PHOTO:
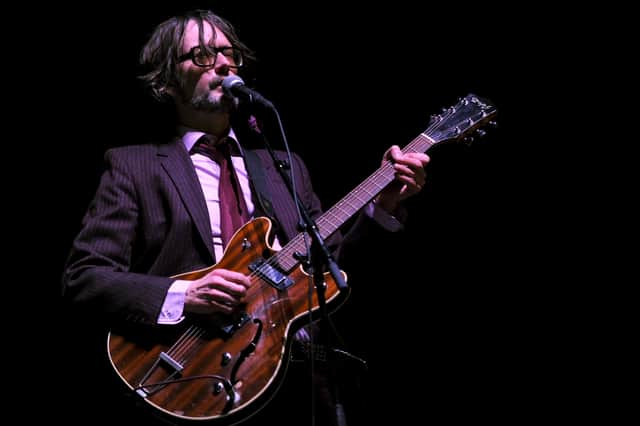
(177, 163)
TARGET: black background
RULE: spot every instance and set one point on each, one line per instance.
(454, 321)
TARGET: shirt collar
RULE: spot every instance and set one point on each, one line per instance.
(190, 136)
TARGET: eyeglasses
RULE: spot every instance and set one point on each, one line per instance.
(207, 57)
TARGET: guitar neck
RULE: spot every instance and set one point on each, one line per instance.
(348, 206)
(454, 123)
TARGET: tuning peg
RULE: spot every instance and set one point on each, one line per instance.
(480, 133)
(467, 140)
(493, 124)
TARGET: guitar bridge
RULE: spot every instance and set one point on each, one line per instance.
(236, 324)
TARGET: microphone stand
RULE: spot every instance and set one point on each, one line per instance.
(320, 257)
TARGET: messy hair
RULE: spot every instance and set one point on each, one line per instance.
(159, 56)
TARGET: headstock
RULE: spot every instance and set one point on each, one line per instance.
(462, 121)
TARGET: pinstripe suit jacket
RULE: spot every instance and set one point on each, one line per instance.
(148, 221)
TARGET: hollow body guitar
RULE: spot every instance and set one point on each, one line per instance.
(223, 369)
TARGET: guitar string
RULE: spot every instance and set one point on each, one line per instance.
(185, 346)
(420, 144)
(175, 348)
(193, 347)
(383, 175)
(380, 178)
(186, 343)
(178, 351)
(294, 245)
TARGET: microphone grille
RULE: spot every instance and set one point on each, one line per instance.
(230, 81)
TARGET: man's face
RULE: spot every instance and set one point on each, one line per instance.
(200, 87)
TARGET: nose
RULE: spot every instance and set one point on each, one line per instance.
(222, 64)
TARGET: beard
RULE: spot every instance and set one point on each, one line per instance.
(209, 102)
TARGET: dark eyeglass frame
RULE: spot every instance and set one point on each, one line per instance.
(201, 58)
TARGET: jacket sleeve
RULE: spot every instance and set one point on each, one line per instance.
(96, 276)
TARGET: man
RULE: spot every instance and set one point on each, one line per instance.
(162, 211)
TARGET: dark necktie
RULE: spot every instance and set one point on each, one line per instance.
(233, 210)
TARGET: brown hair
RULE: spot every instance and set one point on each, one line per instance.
(159, 56)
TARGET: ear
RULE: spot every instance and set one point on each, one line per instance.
(170, 91)
(171, 94)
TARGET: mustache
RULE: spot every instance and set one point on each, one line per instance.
(215, 83)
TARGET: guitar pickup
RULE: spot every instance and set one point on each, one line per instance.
(269, 273)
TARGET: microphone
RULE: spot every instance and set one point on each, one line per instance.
(234, 86)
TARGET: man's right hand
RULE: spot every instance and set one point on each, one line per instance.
(221, 290)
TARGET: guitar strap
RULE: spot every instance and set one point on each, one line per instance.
(261, 194)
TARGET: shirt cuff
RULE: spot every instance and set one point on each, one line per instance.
(172, 311)
(383, 218)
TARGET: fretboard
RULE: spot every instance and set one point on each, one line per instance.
(348, 206)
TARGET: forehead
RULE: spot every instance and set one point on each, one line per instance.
(212, 35)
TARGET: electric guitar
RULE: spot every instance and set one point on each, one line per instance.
(223, 369)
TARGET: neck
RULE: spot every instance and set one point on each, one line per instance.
(216, 124)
